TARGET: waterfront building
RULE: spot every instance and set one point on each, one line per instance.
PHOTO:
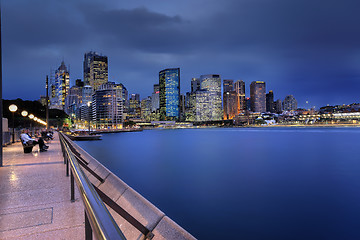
(208, 104)
(107, 105)
(270, 102)
(258, 96)
(289, 103)
(134, 112)
(87, 92)
(230, 100)
(240, 91)
(73, 100)
(169, 94)
(278, 106)
(98, 71)
(195, 84)
(228, 85)
(155, 98)
(146, 109)
(182, 107)
(59, 87)
(86, 66)
(190, 100)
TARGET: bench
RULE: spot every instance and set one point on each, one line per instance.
(27, 147)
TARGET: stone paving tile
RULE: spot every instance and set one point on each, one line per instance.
(35, 196)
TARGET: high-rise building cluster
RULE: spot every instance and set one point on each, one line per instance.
(109, 104)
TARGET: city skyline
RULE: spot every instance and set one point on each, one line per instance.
(309, 50)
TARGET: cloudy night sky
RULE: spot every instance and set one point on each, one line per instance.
(310, 49)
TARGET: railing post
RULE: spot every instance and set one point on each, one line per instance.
(72, 180)
(67, 166)
(88, 231)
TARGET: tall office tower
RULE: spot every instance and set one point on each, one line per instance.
(270, 102)
(289, 103)
(87, 92)
(73, 100)
(230, 100)
(190, 106)
(59, 87)
(86, 66)
(155, 98)
(146, 109)
(228, 85)
(278, 106)
(134, 107)
(125, 95)
(169, 96)
(258, 96)
(208, 104)
(182, 107)
(98, 71)
(195, 84)
(107, 105)
(240, 91)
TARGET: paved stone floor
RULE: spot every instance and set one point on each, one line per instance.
(35, 196)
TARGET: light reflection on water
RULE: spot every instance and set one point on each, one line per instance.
(278, 183)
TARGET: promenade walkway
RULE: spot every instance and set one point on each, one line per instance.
(35, 196)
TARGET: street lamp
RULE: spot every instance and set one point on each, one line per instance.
(24, 113)
(13, 109)
(31, 116)
(89, 103)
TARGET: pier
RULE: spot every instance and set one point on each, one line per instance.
(35, 199)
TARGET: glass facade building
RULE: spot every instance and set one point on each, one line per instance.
(98, 71)
(59, 87)
(240, 91)
(258, 96)
(107, 105)
(169, 94)
(289, 103)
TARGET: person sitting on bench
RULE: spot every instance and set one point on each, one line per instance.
(25, 137)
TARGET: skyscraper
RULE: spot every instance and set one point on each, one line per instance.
(208, 104)
(289, 103)
(277, 106)
(98, 71)
(258, 96)
(195, 84)
(230, 100)
(86, 64)
(169, 94)
(134, 107)
(240, 91)
(108, 105)
(145, 106)
(155, 98)
(228, 85)
(270, 102)
(59, 87)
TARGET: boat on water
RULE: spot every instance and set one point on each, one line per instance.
(82, 136)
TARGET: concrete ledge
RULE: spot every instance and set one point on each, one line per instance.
(134, 203)
(168, 229)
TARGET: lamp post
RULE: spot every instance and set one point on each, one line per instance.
(89, 104)
(13, 109)
(24, 113)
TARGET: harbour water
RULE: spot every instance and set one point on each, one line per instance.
(248, 183)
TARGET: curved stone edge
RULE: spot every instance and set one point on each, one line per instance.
(134, 203)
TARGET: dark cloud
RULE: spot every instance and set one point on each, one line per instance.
(306, 48)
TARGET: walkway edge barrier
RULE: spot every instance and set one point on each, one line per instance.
(102, 223)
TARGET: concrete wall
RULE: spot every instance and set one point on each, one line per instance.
(136, 205)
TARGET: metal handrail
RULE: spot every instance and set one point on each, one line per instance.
(102, 223)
